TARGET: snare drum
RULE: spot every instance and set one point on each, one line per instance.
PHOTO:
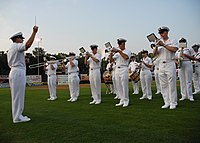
(135, 76)
(107, 77)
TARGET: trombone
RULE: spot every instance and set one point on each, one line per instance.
(36, 65)
(51, 62)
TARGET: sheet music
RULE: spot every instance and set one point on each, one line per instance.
(152, 37)
(108, 45)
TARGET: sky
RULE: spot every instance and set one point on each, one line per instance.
(67, 25)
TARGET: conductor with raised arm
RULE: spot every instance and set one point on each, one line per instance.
(17, 75)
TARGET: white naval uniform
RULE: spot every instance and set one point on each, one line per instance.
(95, 77)
(146, 78)
(185, 74)
(121, 73)
(132, 67)
(196, 73)
(112, 86)
(156, 74)
(167, 74)
(51, 74)
(17, 78)
(73, 80)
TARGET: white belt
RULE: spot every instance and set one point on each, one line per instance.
(145, 69)
(94, 68)
(122, 66)
(72, 72)
(51, 75)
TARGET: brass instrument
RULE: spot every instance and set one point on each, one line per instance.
(46, 63)
(180, 58)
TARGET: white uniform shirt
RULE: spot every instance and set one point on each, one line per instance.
(50, 71)
(148, 61)
(133, 65)
(120, 61)
(15, 56)
(108, 66)
(72, 70)
(187, 51)
(165, 54)
(93, 64)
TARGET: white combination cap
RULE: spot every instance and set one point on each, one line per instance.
(162, 29)
(52, 57)
(121, 40)
(17, 35)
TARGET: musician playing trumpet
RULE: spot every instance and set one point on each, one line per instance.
(51, 77)
(166, 49)
(185, 70)
(73, 77)
(121, 57)
(94, 61)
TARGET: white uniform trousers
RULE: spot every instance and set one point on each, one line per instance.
(146, 80)
(186, 80)
(95, 84)
(196, 78)
(52, 86)
(114, 82)
(73, 82)
(17, 81)
(167, 76)
(135, 87)
(156, 74)
(122, 84)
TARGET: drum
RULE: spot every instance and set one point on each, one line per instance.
(135, 76)
(107, 77)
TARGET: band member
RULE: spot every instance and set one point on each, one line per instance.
(121, 57)
(17, 75)
(111, 68)
(51, 74)
(73, 78)
(155, 63)
(196, 69)
(156, 74)
(94, 61)
(185, 70)
(132, 68)
(146, 76)
(166, 49)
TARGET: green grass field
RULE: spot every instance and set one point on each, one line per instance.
(64, 122)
